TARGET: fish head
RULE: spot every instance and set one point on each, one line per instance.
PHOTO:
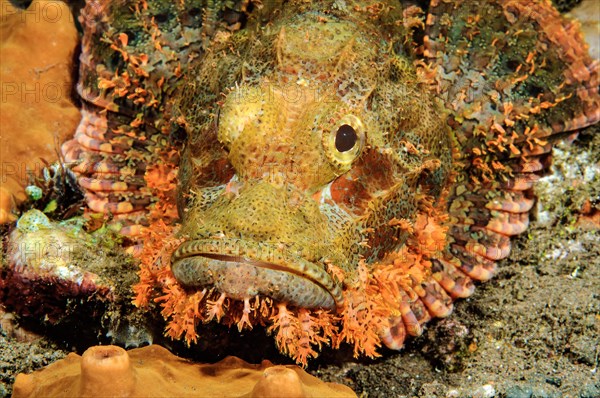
(328, 140)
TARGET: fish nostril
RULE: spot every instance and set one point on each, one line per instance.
(177, 135)
(161, 18)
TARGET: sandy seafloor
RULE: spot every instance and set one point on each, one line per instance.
(532, 331)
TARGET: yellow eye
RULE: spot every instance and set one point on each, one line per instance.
(344, 142)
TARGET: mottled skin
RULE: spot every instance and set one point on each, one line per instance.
(132, 55)
(341, 179)
(294, 202)
(272, 204)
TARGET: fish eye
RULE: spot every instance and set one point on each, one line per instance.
(344, 141)
(345, 138)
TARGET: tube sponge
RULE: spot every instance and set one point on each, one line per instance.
(106, 369)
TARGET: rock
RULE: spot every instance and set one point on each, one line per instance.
(590, 391)
(584, 347)
(485, 391)
(519, 392)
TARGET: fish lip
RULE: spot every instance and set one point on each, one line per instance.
(262, 256)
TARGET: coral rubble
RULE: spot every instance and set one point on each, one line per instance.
(153, 371)
(49, 265)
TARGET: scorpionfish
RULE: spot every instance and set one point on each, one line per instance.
(346, 169)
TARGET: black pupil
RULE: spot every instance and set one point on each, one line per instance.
(345, 138)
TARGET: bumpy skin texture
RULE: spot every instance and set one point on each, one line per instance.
(296, 202)
(470, 133)
(133, 53)
(339, 182)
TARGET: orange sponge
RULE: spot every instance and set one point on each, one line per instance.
(110, 371)
(37, 48)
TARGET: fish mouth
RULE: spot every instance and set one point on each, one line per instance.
(243, 269)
